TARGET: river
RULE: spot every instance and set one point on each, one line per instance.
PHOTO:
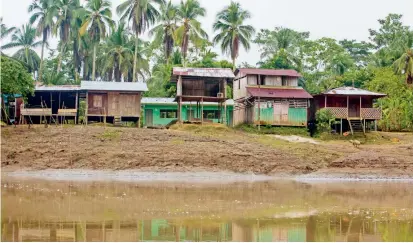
(47, 209)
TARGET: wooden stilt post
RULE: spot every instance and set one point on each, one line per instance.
(76, 106)
(202, 111)
(341, 126)
(259, 103)
(87, 107)
(58, 107)
(180, 109)
(375, 125)
(51, 107)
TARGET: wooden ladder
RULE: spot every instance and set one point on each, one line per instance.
(356, 125)
(117, 121)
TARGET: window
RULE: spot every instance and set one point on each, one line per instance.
(169, 114)
(284, 81)
(97, 101)
(211, 114)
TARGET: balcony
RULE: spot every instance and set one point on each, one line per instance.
(363, 113)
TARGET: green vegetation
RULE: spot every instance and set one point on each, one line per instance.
(92, 47)
(15, 79)
(111, 134)
(300, 131)
(324, 120)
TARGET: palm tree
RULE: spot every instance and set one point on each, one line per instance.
(404, 65)
(142, 62)
(5, 31)
(66, 11)
(232, 30)
(26, 39)
(190, 30)
(165, 31)
(142, 14)
(97, 20)
(119, 54)
(43, 13)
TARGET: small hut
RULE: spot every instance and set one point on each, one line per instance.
(115, 101)
(352, 107)
(199, 85)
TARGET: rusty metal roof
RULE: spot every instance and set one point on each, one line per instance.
(203, 72)
(352, 91)
(268, 72)
(51, 88)
(113, 86)
(279, 92)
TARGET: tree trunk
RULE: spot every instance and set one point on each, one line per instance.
(59, 62)
(135, 58)
(41, 63)
(94, 63)
(233, 65)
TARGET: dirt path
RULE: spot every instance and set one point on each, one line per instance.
(215, 150)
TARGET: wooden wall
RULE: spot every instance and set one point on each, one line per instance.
(114, 104)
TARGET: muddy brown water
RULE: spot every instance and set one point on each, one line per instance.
(35, 209)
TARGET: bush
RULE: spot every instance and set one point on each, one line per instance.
(324, 119)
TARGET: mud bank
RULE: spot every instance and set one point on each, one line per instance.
(216, 150)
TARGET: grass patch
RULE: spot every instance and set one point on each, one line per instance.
(208, 129)
(110, 134)
(299, 131)
(176, 141)
(368, 138)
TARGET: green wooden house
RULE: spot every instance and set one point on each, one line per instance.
(158, 112)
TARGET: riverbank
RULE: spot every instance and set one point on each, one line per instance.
(203, 149)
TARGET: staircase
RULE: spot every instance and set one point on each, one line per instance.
(356, 125)
(117, 121)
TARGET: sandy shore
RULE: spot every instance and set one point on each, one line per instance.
(223, 152)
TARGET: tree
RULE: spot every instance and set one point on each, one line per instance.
(283, 44)
(119, 54)
(142, 14)
(14, 78)
(43, 13)
(404, 65)
(190, 29)
(26, 39)
(5, 31)
(359, 51)
(97, 20)
(165, 31)
(65, 17)
(232, 30)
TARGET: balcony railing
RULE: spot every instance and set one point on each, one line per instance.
(365, 113)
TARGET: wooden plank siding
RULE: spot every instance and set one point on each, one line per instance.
(114, 104)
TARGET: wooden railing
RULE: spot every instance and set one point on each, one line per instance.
(371, 113)
(338, 112)
(365, 113)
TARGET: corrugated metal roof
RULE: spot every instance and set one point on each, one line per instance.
(170, 101)
(269, 72)
(57, 88)
(352, 91)
(203, 72)
(279, 92)
(113, 86)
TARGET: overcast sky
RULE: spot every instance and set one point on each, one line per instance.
(349, 19)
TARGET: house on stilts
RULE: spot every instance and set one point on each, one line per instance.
(200, 85)
(269, 97)
(352, 107)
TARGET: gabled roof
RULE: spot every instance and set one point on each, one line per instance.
(269, 72)
(202, 72)
(113, 86)
(171, 101)
(50, 88)
(279, 92)
(352, 91)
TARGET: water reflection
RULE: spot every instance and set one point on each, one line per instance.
(265, 212)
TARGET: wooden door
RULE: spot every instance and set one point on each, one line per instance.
(149, 117)
(281, 112)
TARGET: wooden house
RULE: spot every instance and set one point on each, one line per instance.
(51, 103)
(352, 107)
(115, 101)
(199, 85)
(160, 112)
(269, 97)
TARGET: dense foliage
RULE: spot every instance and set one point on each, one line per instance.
(15, 79)
(93, 47)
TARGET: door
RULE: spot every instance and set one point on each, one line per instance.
(354, 107)
(149, 117)
(191, 114)
(281, 113)
(229, 119)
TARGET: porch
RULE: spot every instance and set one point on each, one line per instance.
(355, 113)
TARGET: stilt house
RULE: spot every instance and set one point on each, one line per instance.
(199, 85)
(115, 101)
(352, 107)
(270, 97)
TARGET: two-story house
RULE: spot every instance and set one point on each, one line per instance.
(269, 97)
(199, 85)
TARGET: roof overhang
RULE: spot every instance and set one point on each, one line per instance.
(268, 72)
(205, 73)
(114, 86)
(278, 92)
